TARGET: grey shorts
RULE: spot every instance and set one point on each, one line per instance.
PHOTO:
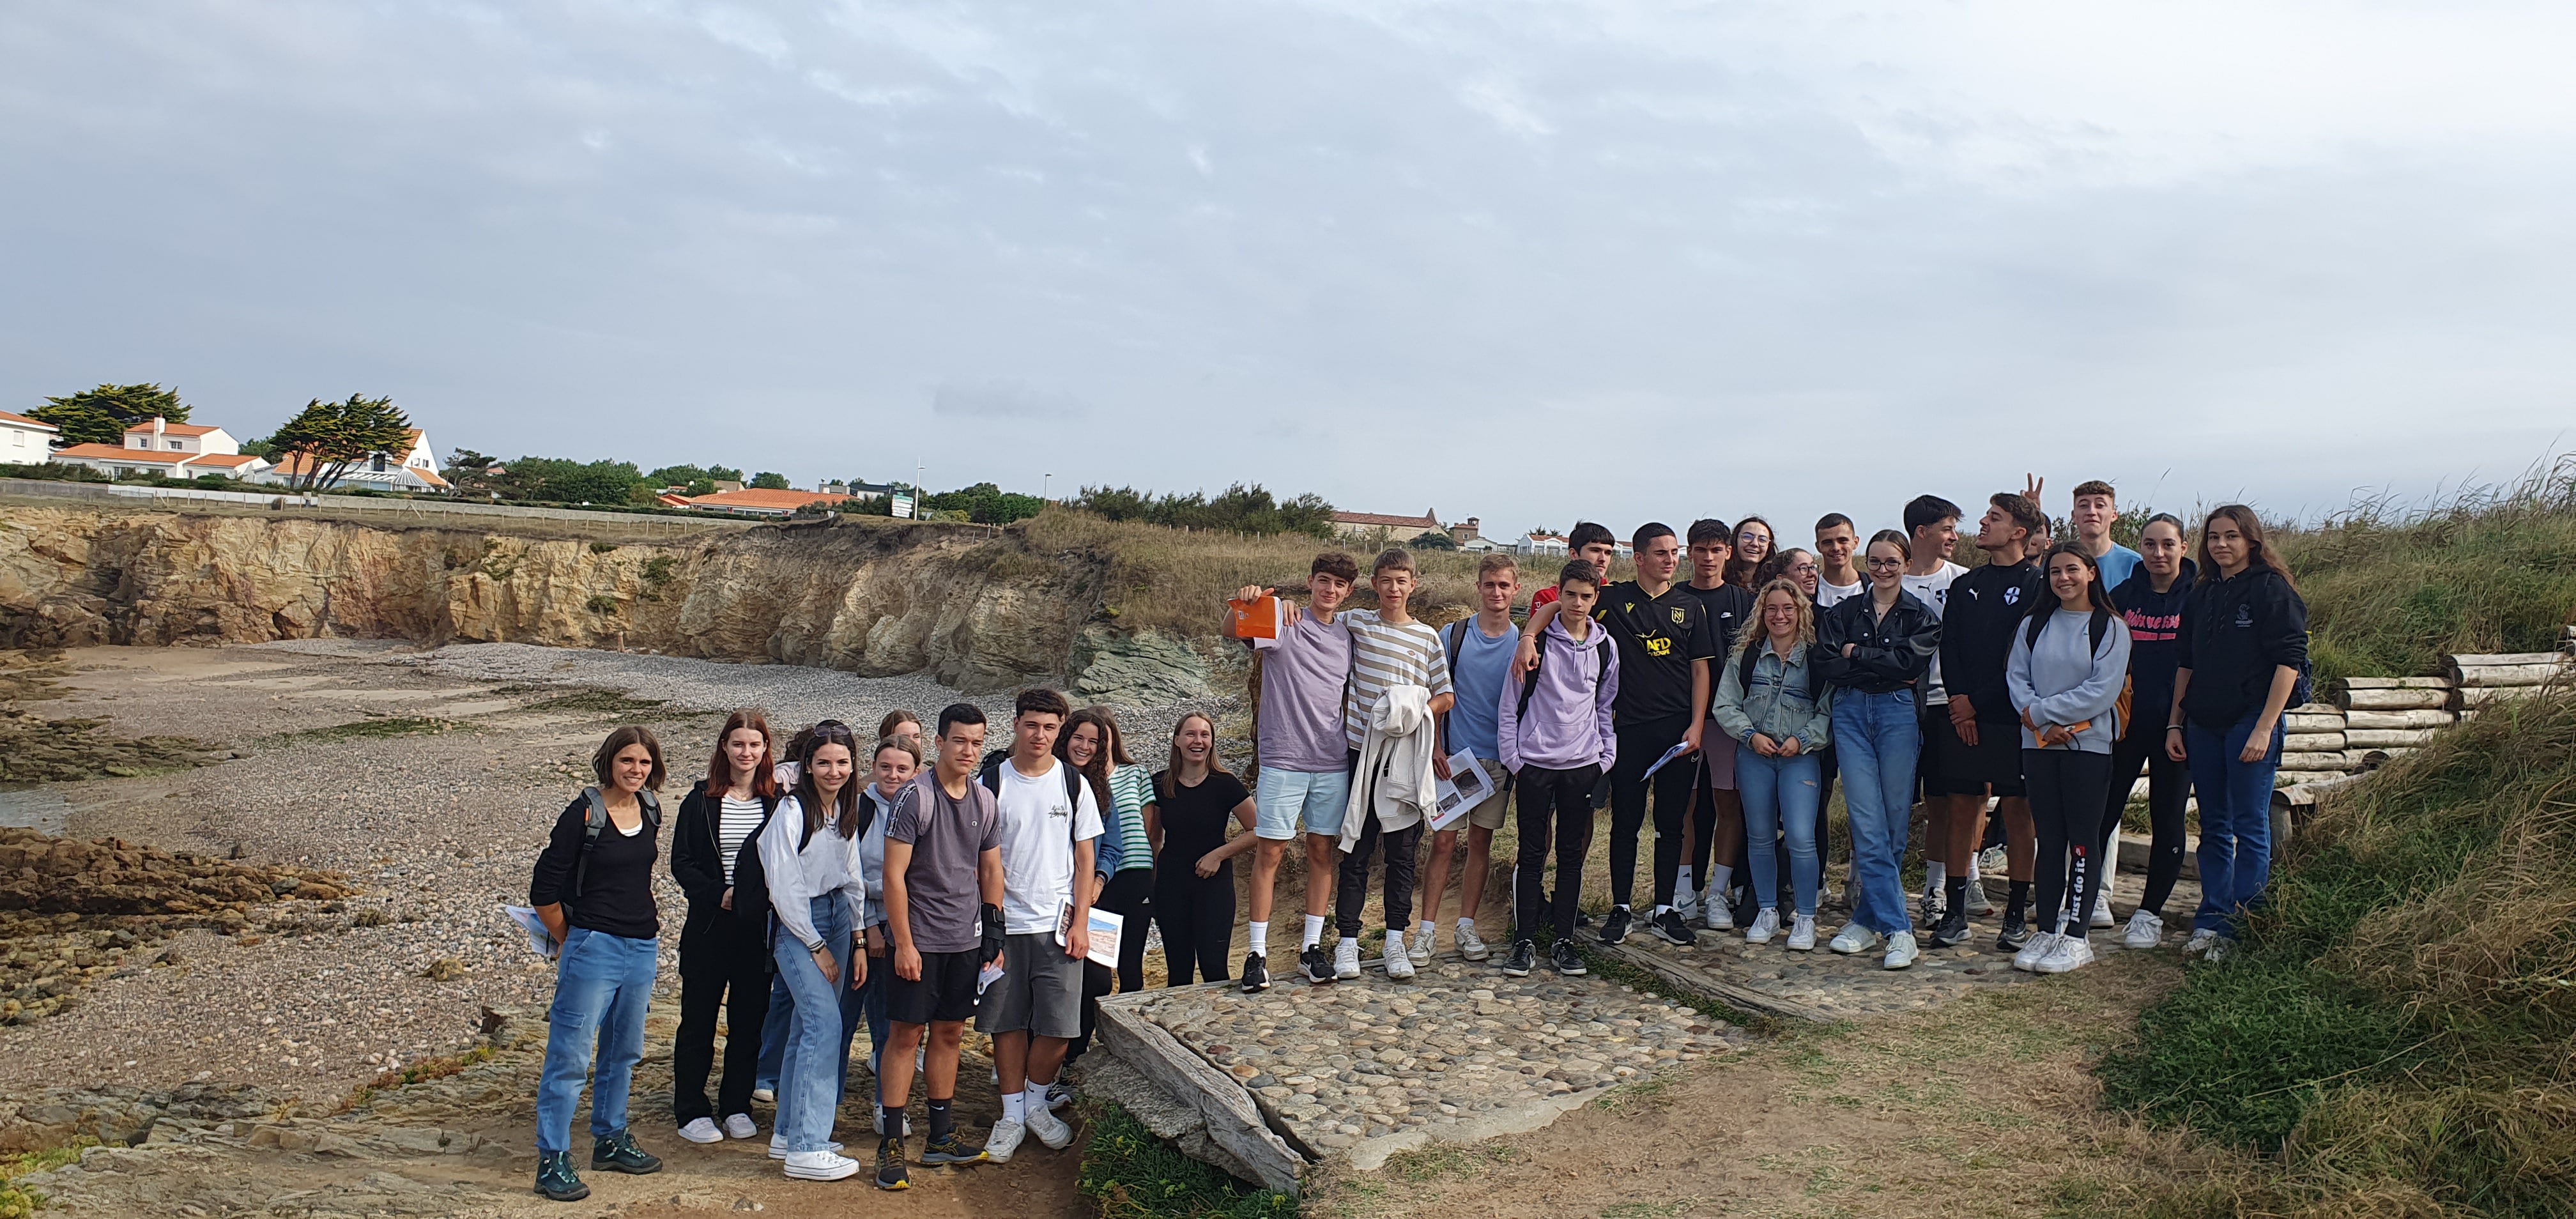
(1040, 991)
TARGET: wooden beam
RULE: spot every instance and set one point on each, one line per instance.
(1233, 1121)
(1702, 982)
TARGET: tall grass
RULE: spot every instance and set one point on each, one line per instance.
(2398, 1036)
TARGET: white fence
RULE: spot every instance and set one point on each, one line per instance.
(420, 510)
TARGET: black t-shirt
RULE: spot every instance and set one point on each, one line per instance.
(617, 887)
(1730, 609)
(1657, 638)
(1194, 820)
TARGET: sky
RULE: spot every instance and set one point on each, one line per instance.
(1530, 262)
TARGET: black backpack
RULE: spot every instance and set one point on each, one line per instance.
(1529, 680)
(991, 777)
(595, 819)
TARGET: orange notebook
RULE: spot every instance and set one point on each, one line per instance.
(1254, 619)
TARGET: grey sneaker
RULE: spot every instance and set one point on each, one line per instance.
(1470, 947)
(1346, 959)
(1900, 951)
(1417, 947)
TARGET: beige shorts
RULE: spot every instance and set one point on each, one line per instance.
(1489, 815)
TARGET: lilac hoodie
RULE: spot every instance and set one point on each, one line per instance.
(1569, 711)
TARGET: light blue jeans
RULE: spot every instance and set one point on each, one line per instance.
(773, 1030)
(602, 983)
(869, 1004)
(1781, 793)
(1876, 739)
(810, 1074)
(2235, 822)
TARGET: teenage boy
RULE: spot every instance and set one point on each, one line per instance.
(1389, 648)
(1932, 524)
(1665, 643)
(1980, 737)
(2097, 506)
(1837, 576)
(943, 911)
(1593, 544)
(1050, 826)
(1555, 733)
(1304, 779)
(1479, 654)
(1716, 825)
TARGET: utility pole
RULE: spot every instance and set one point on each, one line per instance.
(1045, 484)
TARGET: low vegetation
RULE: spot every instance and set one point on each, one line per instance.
(1130, 1174)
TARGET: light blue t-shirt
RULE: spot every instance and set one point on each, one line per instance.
(2118, 565)
(1478, 680)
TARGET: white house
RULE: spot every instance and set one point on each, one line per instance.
(1535, 544)
(175, 450)
(25, 441)
(413, 469)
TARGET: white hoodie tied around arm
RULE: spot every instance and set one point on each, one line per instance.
(1394, 776)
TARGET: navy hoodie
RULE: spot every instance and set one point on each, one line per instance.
(1986, 605)
(2155, 640)
(2235, 633)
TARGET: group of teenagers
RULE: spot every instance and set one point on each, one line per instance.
(917, 884)
(903, 889)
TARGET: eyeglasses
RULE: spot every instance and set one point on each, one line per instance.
(1886, 562)
(1802, 567)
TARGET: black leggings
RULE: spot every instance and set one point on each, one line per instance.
(2168, 786)
(727, 967)
(1129, 896)
(2066, 793)
(1640, 743)
(1197, 916)
(1566, 797)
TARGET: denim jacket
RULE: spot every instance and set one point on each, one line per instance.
(1778, 705)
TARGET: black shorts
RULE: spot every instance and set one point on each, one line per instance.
(1993, 764)
(1927, 765)
(945, 992)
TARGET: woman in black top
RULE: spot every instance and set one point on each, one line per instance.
(593, 888)
(2151, 602)
(1194, 862)
(724, 947)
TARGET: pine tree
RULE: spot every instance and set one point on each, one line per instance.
(329, 438)
(100, 416)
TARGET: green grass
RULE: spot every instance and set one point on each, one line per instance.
(16, 1203)
(1130, 1174)
(602, 702)
(369, 729)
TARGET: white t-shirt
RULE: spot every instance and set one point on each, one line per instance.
(1934, 591)
(1038, 832)
(1828, 594)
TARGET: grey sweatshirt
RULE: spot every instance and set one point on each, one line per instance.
(2067, 681)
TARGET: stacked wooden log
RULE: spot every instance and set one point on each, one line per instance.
(2483, 679)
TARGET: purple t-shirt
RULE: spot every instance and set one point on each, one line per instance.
(1301, 697)
(948, 838)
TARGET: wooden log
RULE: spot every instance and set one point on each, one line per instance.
(1233, 1121)
(2478, 660)
(2296, 722)
(2474, 697)
(2304, 795)
(2397, 683)
(1692, 978)
(2338, 760)
(2382, 757)
(2380, 738)
(2313, 742)
(2314, 709)
(2400, 719)
(2396, 700)
(2512, 675)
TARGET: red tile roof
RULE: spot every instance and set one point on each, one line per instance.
(763, 499)
(226, 461)
(23, 421)
(1427, 520)
(173, 429)
(116, 452)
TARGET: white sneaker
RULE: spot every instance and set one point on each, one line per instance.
(766, 1096)
(2101, 916)
(1470, 947)
(820, 1166)
(739, 1126)
(1721, 915)
(1346, 959)
(1399, 961)
(1853, 940)
(1802, 933)
(2199, 943)
(1900, 951)
(1049, 1128)
(2145, 931)
(1991, 861)
(2069, 954)
(880, 1124)
(1765, 925)
(778, 1147)
(1419, 947)
(2030, 954)
(1004, 1139)
(702, 1130)
(1978, 903)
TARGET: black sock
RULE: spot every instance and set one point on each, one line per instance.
(1954, 890)
(894, 1122)
(2018, 904)
(942, 1122)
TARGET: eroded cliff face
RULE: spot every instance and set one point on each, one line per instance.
(973, 607)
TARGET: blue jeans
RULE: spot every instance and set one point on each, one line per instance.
(810, 1073)
(1876, 739)
(1780, 792)
(602, 983)
(870, 1003)
(2235, 822)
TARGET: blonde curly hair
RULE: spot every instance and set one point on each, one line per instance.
(1755, 632)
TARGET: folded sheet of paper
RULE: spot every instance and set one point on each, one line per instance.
(540, 940)
(1105, 930)
(987, 976)
(1466, 787)
(1678, 749)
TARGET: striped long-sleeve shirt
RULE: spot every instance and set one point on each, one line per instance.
(1384, 654)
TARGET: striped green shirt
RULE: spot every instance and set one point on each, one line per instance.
(1130, 790)
(1385, 655)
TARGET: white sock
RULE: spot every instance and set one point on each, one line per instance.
(1466, 926)
(1935, 874)
(1015, 1107)
(1720, 876)
(1395, 943)
(1314, 930)
(1623, 906)
(1035, 1098)
(1425, 926)
(1973, 871)
(1659, 911)
(1682, 882)
(1261, 939)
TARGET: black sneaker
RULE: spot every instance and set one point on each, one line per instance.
(950, 1150)
(555, 1178)
(618, 1153)
(1614, 929)
(1566, 959)
(1317, 966)
(890, 1170)
(1256, 972)
(1670, 928)
(1524, 957)
(1953, 930)
(2015, 934)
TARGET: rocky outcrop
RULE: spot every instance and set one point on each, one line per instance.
(974, 607)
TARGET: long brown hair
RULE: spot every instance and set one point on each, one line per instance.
(2256, 551)
(604, 762)
(810, 797)
(1739, 571)
(2097, 596)
(1172, 772)
(1111, 750)
(764, 777)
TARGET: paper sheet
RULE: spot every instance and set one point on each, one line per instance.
(1679, 747)
(1105, 930)
(540, 941)
(1466, 787)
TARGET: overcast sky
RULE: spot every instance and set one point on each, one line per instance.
(1523, 261)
